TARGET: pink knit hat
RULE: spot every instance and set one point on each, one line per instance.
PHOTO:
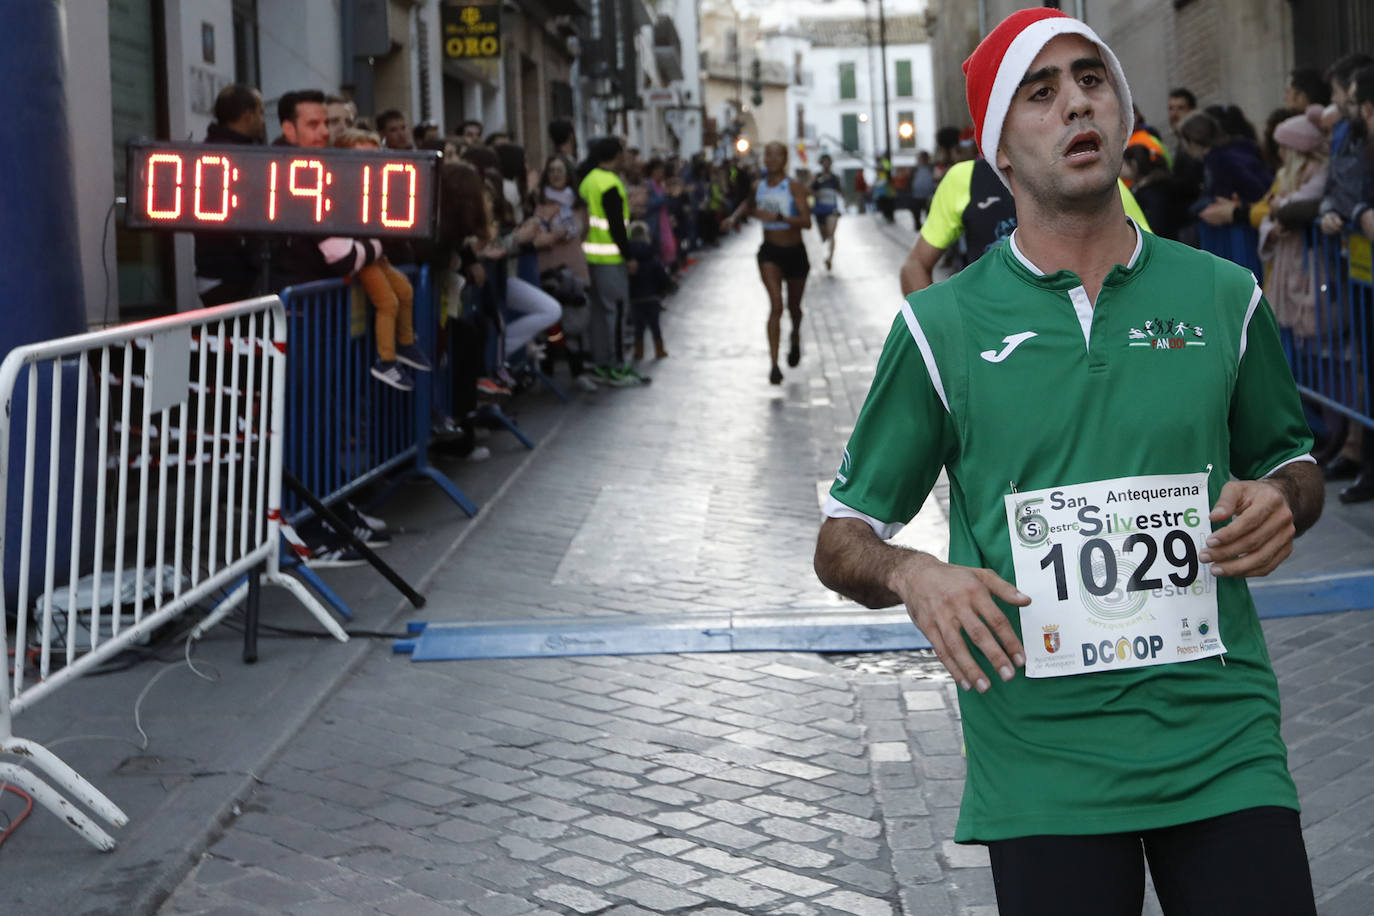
(1299, 132)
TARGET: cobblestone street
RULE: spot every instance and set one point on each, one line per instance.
(710, 783)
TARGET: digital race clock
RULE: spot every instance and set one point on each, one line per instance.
(282, 189)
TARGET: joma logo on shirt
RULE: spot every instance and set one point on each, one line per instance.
(1166, 335)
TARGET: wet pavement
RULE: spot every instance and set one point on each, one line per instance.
(337, 778)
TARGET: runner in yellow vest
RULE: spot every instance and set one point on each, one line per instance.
(608, 209)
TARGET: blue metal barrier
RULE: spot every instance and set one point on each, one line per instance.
(1332, 366)
(1238, 244)
(344, 428)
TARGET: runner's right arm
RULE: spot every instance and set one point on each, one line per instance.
(942, 228)
(918, 269)
(903, 436)
(944, 600)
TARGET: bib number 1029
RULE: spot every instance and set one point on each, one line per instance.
(1098, 567)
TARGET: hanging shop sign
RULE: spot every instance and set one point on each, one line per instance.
(471, 31)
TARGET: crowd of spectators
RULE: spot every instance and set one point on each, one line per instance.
(514, 263)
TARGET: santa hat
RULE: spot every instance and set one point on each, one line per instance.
(996, 67)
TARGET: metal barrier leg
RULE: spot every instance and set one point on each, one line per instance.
(548, 382)
(46, 796)
(492, 415)
(242, 591)
(316, 609)
(312, 578)
(250, 617)
(449, 487)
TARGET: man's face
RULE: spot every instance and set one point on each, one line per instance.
(257, 124)
(1349, 107)
(1294, 99)
(472, 134)
(1062, 139)
(1178, 110)
(310, 128)
(339, 120)
(1338, 94)
(397, 135)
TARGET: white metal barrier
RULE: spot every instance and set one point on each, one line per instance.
(170, 434)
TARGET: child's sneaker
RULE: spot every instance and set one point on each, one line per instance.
(371, 521)
(412, 356)
(491, 386)
(585, 382)
(393, 374)
(329, 557)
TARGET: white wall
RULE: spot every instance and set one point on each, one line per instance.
(689, 124)
(299, 47)
(92, 136)
(197, 81)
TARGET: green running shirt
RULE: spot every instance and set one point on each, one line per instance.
(1115, 750)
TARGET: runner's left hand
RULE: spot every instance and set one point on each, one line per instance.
(1260, 535)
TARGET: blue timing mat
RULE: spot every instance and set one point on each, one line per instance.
(828, 630)
(1318, 595)
(836, 630)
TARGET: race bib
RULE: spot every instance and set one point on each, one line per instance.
(1113, 574)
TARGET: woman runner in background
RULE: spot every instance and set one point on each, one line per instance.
(825, 187)
(781, 203)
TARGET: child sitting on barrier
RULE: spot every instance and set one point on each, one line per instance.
(394, 300)
(648, 281)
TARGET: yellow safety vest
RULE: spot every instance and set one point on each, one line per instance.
(600, 247)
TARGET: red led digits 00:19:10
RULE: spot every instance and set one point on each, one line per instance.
(283, 191)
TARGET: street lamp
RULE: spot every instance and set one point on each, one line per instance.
(882, 44)
(742, 145)
(906, 130)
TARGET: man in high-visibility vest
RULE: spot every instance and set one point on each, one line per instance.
(608, 212)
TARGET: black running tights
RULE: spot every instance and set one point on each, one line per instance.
(1249, 863)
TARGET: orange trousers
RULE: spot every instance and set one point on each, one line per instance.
(394, 301)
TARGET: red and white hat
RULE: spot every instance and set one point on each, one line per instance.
(996, 67)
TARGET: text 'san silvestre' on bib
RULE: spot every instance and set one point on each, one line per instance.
(1113, 574)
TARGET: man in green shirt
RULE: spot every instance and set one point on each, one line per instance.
(1100, 399)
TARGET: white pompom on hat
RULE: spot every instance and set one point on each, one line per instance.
(996, 67)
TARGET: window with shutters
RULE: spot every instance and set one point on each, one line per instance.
(904, 79)
(848, 90)
(849, 132)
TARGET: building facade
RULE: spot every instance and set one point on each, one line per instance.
(1236, 52)
(821, 80)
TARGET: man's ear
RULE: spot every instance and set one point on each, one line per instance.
(1001, 160)
(288, 130)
